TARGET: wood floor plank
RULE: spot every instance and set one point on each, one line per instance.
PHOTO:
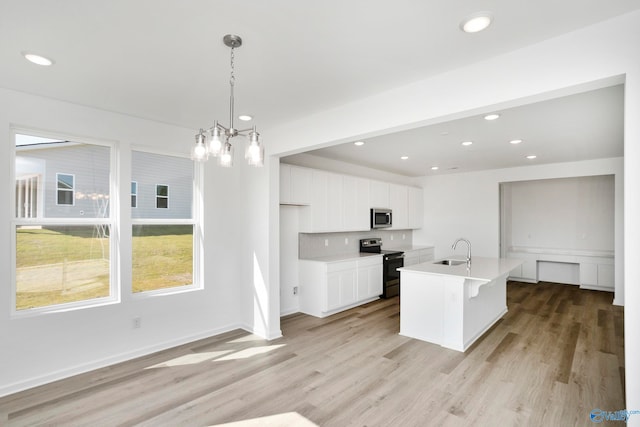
(557, 353)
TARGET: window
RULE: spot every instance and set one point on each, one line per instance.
(62, 223)
(134, 194)
(162, 196)
(66, 187)
(162, 239)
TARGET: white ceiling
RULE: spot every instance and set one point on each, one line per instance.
(583, 126)
(164, 60)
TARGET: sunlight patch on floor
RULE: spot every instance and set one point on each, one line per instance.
(288, 419)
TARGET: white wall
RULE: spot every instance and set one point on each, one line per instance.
(568, 213)
(46, 347)
(559, 66)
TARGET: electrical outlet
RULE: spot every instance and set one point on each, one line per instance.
(326, 242)
(295, 290)
(391, 237)
(346, 240)
(137, 322)
(404, 236)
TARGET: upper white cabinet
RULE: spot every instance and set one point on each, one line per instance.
(379, 194)
(399, 202)
(356, 195)
(295, 185)
(338, 203)
(416, 208)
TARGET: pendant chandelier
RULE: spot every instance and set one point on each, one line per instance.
(214, 142)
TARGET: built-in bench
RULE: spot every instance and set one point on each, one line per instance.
(588, 268)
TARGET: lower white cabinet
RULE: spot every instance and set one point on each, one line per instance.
(369, 278)
(329, 287)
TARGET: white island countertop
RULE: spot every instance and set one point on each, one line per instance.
(482, 268)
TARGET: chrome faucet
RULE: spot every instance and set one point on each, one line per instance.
(468, 249)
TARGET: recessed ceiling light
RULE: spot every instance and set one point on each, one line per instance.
(404, 158)
(515, 141)
(531, 157)
(37, 59)
(476, 22)
(491, 117)
(467, 143)
(245, 117)
(434, 168)
(444, 133)
(359, 143)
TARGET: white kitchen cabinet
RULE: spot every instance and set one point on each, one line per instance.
(325, 211)
(335, 203)
(600, 276)
(330, 287)
(355, 193)
(399, 202)
(369, 278)
(379, 194)
(341, 286)
(416, 208)
(295, 185)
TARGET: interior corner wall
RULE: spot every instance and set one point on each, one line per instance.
(43, 348)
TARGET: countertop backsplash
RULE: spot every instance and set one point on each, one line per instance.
(317, 245)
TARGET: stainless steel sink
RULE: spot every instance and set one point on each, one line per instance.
(450, 262)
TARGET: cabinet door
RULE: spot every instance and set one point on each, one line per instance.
(333, 291)
(348, 287)
(356, 203)
(300, 185)
(319, 194)
(334, 203)
(369, 281)
(379, 194)
(285, 184)
(530, 269)
(399, 201)
(416, 208)
(588, 274)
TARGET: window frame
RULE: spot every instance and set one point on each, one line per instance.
(110, 222)
(72, 190)
(195, 221)
(134, 194)
(159, 197)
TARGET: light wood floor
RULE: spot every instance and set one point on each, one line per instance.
(554, 357)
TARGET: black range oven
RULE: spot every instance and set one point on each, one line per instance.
(391, 261)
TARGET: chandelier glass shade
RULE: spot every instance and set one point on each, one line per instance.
(215, 141)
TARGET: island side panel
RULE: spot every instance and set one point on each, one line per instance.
(421, 307)
(483, 310)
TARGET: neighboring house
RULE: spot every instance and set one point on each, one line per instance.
(71, 180)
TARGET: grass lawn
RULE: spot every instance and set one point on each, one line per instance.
(65, 264)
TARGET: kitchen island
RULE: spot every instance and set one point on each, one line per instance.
(453, 305)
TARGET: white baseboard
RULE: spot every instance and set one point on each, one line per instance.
(108, 361)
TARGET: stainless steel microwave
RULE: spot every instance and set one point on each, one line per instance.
(381, 218)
